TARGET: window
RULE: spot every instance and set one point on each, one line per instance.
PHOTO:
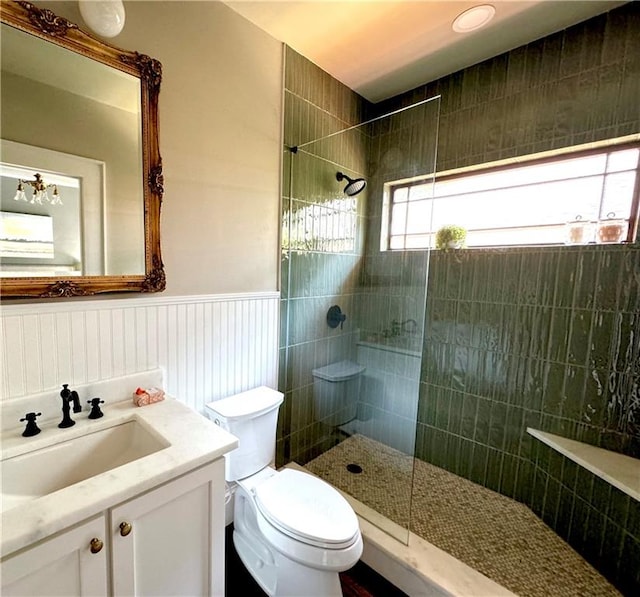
(535, 203)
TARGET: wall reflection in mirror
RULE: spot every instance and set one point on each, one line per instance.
(78, 124)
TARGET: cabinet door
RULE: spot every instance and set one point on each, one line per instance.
(170, 541)
(63, 565)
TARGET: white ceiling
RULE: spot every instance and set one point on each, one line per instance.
(380, 48)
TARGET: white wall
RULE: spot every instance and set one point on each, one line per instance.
(209, 346)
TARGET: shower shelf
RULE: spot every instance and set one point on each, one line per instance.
(623, 472)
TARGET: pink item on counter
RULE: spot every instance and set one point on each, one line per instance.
(142, 397)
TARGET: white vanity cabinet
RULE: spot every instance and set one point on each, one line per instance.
(170, 541)
(64, 565)
(166, 541)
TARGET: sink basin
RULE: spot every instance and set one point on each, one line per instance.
(55, 467)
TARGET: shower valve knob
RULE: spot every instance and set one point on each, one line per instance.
(335, 317)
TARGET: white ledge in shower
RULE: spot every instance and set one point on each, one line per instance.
(623, 472)
(401, 345)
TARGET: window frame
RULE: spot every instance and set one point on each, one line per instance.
(518, 162)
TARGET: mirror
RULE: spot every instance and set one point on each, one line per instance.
(80, 167)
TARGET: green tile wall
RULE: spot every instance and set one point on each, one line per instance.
(322, 268)
(538, 337)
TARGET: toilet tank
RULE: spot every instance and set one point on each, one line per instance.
(252, 417)
(336, 388)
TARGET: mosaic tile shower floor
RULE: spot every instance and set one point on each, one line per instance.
(491, 533)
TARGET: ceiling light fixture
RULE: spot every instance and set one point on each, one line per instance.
(474, 18)
(104, 17)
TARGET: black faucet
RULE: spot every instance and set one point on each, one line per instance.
(68, 396)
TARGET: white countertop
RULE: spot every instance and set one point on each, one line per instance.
(193, 441)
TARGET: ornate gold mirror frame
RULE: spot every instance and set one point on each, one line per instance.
(44, 24)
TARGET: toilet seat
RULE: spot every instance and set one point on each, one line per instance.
(307, 509)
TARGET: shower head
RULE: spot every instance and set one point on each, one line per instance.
(354, 185)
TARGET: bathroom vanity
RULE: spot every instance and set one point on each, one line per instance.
(128, 504)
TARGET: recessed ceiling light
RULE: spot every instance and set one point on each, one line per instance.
(474, 18)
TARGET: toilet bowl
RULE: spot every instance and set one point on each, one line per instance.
(293, 531)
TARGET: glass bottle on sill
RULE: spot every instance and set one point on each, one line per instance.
(579, 231)
(611, 230)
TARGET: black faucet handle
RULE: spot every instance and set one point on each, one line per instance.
(65, 393)
(95, 403)
(31, 428)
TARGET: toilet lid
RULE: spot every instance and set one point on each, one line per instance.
(306, 508)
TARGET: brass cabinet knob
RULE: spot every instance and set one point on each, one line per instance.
(96, 545)
(125, 528)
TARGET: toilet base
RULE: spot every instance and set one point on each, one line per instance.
(294, 580)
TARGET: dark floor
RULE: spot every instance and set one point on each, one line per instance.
(360, 581)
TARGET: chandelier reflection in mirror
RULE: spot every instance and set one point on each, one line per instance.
(40, 192)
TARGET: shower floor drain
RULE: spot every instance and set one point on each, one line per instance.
(354, 468)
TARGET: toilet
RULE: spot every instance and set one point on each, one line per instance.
(336, 388)
(293, 532)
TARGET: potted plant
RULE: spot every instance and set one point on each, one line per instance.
(451, 237)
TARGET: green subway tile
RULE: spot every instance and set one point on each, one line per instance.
(566, 278)
(586, 276)
(619, 507)
(579, 520)
(630, 288)
(593, 537)
(579, 338)
(524, 484)
(454, 453)
(466, 451)
(602, 337)
(513, 429)
(559, 334)
(551, 502)
(565, 512)
(443, 399)
(456, 412)
(478, 471)
(633, 519)
(574, 384)
(609, 283)
(529, 271)
(543, 454)
(569, 474)
(527, 442)
(483, 418)
(555, 465)
(511, 278)
(625, 342)
(494, 469)
(508, 475)
(601, 495)
(595, 398)
(497, 425)
(629, 576)
(539, 491)
(552, 401)
(453, 278)
(469, 410)
(533, 384)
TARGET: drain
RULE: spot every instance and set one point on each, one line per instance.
(354, 468)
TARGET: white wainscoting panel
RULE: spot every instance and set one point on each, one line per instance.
(209, 346)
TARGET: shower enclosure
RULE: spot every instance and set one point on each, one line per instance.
(353, 311)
